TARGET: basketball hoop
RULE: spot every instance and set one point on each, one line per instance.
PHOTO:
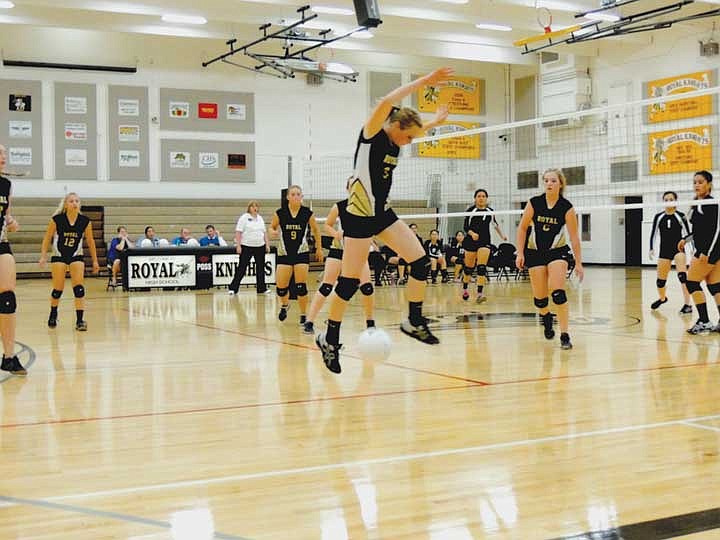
(545, 19)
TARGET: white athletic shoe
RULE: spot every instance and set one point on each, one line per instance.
(231, 292)
(700, 328)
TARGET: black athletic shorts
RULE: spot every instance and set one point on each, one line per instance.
(668, 252)
(713, 258)
(5, 248)
(534, 258)
(335, 253)
(66, 260)
(366, 227)
(472, 246)
(292, 260)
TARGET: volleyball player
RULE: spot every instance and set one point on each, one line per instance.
(547, 253)
(8, 302)
(436, 251)
(66, 231)
(477, 243)
(333, 266)
(291, 224)
(456, 254)
(705, 236)
(368, 214)
(672, 227)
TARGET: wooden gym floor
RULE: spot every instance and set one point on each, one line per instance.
(195, 415)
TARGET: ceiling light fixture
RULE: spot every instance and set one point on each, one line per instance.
(332, 10)
(453, 1)
(492, 26)
(184, 19)
(605, 16)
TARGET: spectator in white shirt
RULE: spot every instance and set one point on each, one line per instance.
(252, 241)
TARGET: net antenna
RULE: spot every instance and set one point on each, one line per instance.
(297, 42)
(644, 21)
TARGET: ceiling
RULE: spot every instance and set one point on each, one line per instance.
(441, 28)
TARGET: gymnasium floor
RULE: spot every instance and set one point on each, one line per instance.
(197, 415)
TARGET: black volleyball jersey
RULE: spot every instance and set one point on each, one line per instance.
(5, 186)
(374, 163)
(434, 250)
(548, 230)
(479, 222)
(671, 228)
(705, 222)
(68, 239)
(293, 231)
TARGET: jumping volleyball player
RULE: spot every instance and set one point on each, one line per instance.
(368, 214)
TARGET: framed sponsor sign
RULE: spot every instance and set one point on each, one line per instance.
(161, 271)
(225, 265)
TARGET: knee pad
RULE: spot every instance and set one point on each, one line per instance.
(56, 294)
(541, 302)
(559, 297)
(468, 270)
(419, 269)
(282, 292)
(79, 291)
(8, 304)
(325, 289)
(482, 270)
(301, 289)
(714, 288)
(693, 286)
(367, 289)
(682, 277)
(660, 283)
(346, 287)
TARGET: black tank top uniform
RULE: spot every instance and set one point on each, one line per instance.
(374, 162)
(479, 223)
(547, 239)
(672, 228)
(434, 251)
(293, 248)
(5, 187)
(67, 244)
(705, 222)
(457, 251)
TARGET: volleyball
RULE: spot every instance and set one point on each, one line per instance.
(146, 243)
(374, 344)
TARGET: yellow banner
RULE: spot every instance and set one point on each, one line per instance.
(680, 150)
(462, 95)
(459, 147)
(682, 108)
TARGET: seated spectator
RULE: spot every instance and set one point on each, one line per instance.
(391, 257)
(184, 238)
(213, 238)
(118, 244)
(149, 240)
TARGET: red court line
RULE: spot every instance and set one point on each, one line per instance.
(236, 407)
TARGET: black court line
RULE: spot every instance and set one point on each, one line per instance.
(657, 529)
(31, 360)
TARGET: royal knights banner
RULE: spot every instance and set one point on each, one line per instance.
(458, 147)
(680, 150)
(681, 108)
(462, 95)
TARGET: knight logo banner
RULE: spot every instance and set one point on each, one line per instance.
(680, 150)
(462, 95)
(161, 271)
(681, 108)
(207, 110)
(225, 265)
(458, 147)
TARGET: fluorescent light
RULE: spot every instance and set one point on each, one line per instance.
(491, 26)
(453, 1)
(604, 16)
(6, 5)
(363, 34)
(184, 19)
(332, 10)
(340, 69)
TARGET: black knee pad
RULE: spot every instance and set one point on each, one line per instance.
(693, 286)
(482, 270)
(559, 297)
(346, 287)
(660, 283)
(714, 288)
(282, 292)
(419, 269)
(79, 291)
(8, 304)
(468, 270)
(682, 277)
(541, 302)
(56, 294)
(325, 289)
(301, 289)
(367, 288)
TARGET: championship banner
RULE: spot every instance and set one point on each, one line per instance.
(458, 147)
(224, 266)
(680, 150)
(682, 108)
(462, 95)
(161, 271)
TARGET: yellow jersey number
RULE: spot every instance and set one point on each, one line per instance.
(69, 242)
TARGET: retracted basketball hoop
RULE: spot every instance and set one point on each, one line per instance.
(544, 19)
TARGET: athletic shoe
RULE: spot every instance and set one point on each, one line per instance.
(565, 341)
(547, 322)
(52, 322)
(403, 281)
(283, 313)
(465, 295)
(266, 291)
(420, 332)
(81, 326)
(481, 298)
(700, 328)
(13, 365)
(330, 353)
(309, 328)
(685, 309)
(446, 279)
(657, 303)
(231, 292)
(303, 320)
